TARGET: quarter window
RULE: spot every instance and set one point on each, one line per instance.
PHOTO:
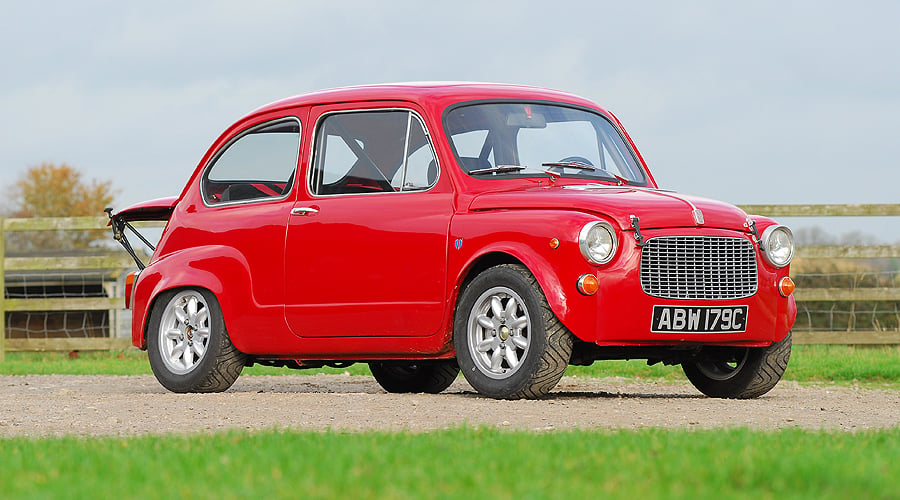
(372, 152)
(258, 165)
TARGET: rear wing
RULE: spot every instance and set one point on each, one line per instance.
(153, 210)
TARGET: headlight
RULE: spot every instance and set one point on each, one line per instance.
(778, 242)
(597, 242)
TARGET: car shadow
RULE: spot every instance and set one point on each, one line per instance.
(567, 395)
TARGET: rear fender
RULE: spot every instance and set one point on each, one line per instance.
(219, 269)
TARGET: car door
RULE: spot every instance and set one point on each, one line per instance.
(245, 197)
(366, 248)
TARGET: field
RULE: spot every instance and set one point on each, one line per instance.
(460, 463)
(844, 365)
(472, 461)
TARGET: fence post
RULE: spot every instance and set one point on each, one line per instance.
(2, 288)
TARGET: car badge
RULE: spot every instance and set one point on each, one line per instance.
(698, 216)
(458, 243)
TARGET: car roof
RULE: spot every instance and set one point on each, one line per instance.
(442, 93)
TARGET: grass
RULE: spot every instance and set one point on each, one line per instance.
(467, 463)
(460, 463)
(130, 362)
(846, 365)
(870, 366)
(875, 366)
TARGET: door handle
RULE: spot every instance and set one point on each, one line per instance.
(304, 211)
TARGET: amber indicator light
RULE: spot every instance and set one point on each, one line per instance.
(786, 287)
(554, 243)
(129, 286)
(588, 284)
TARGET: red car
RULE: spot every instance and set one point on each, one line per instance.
(426, 229)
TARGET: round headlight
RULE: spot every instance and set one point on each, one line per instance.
(779, 245)
(597, 241)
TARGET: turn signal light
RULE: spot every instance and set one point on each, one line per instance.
(786, 287)
(129, 286)
(588, 284)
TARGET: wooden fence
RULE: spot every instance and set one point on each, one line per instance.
(891, 336)
(119, 261)
(114, 262)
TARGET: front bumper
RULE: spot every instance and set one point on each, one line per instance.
(621, 313)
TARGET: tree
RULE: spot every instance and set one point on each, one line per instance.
(50, 190)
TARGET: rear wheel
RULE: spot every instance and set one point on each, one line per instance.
(508, 342)
(414, 376)
(739, 373)
(188, 346)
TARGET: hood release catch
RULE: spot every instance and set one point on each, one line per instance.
(636, 225)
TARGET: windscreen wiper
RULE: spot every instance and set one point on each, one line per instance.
(497, 169)
(569, 164)
(585, 166)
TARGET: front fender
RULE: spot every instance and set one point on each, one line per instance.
(536, 263)
(526, 237)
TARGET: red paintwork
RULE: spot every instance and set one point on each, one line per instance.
(371, 277)
(158, 209)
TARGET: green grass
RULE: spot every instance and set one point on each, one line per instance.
(130, 362)
(460, 463)
(846, 365)
(467, 463)
(875, 366)
(869, 366)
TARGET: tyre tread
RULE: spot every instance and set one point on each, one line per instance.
(555, 358)
(756, 378)
(226, 369)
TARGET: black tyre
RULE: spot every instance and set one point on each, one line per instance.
(508, 342)
(739, 373)
(188, 345)
(414, 376)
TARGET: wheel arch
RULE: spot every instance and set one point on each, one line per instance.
(155, 300)
(539, 267)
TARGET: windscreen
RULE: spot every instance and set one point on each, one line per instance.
(522, 139)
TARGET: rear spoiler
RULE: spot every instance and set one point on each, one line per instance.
(153, 210)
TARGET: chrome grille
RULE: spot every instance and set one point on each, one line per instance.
(698, 268)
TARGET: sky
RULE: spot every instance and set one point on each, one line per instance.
(751, 102)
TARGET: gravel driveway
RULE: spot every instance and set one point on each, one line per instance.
(54, 405)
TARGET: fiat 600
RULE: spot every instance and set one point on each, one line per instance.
(427, 229)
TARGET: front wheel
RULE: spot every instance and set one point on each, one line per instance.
(188, 346)
(508, 342)
(739, 373)
(414, 376)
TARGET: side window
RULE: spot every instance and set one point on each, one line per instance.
(420, 171)
(258, 165)
(372, 152)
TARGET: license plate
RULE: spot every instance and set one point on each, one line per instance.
(702, 319)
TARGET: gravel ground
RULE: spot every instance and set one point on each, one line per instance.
(56, 405)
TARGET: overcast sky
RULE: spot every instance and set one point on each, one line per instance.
(751, 102)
